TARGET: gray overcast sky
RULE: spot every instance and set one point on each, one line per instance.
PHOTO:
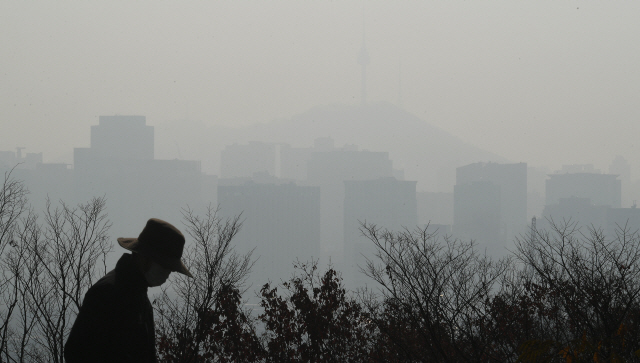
(545, 82)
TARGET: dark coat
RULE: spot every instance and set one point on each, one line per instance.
(115, 322)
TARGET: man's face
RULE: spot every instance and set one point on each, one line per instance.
(156, 275)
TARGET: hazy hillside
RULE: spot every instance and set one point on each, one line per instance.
(426, 153)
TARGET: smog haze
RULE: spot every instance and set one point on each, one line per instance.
(543, 82)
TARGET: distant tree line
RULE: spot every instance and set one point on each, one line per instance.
(564, 295)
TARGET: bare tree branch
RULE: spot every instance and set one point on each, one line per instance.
(183, 306)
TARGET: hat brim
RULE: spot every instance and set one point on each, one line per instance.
(175, 265)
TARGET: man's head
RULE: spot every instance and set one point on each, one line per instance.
(160, 245)
(153, 272)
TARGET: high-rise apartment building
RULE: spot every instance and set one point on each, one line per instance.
(281, 223)
(386, 202)
(490, 203)
(600, 189)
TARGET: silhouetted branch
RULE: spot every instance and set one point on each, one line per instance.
(439, 287)
(184, 307)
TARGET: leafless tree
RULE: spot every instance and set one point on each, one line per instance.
(433, 292)
(13, 205)
(52, 263)
(19, 266)
(587, 287)
(13, 202)
(183, 307)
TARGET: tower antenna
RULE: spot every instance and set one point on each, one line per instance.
(400, 83)
(363, 61)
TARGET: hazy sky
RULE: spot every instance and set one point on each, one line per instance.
(545, 82)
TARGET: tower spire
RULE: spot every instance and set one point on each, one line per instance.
(363, 61)
(400, 83)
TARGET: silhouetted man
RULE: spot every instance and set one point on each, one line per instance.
(115, 322)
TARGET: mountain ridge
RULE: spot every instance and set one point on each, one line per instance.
(425, 152)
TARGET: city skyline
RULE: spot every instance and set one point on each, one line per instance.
(300, 203)
(545, 83)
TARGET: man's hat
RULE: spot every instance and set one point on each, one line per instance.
(160, 241)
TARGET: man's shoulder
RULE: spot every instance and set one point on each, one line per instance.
(103, 288)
